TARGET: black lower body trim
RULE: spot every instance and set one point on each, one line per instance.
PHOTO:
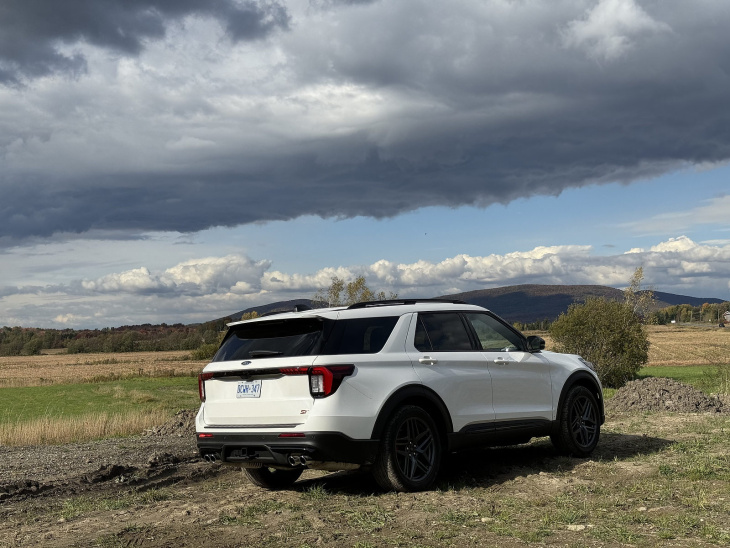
(272, 450)
(499, 433)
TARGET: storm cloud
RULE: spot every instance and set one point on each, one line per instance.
(37, 37)
(145, 115)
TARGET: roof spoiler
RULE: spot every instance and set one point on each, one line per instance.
(394, 302)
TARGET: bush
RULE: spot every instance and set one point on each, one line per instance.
(205, 352)
(607, 333)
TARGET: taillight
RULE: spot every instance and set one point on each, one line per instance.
(202, 377)
(325, 380)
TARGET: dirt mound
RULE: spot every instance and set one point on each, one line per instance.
(660, 394)
(181, 425)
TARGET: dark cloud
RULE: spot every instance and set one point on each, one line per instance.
(31, 31)
(467, 106)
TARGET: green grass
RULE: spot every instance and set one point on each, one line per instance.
(708, 378)
(114, 397)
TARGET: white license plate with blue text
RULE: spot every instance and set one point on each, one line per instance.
(249, 389)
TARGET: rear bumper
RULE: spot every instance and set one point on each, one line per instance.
(273, 450)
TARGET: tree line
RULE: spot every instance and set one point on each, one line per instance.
(24, 341)
(707, 313)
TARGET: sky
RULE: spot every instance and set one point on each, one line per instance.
(178, 161)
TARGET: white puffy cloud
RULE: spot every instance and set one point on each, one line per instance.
(195, 277)
(202, 289)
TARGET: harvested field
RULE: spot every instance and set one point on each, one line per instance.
(74, 368)
(681, 345)
(672, 345)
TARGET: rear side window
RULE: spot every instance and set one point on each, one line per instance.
(441, 332)
(271, 339)
(359, 336)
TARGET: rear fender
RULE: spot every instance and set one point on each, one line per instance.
(420, 396)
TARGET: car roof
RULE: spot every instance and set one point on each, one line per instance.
(371, 309)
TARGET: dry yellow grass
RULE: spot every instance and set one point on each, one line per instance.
(54, 430)
(75, 368)
(680, 345)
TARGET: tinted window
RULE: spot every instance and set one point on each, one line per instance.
(271, 339)
(441, 332)
(493, 335)
(359, 336)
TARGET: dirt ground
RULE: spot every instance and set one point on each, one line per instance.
(153, 490)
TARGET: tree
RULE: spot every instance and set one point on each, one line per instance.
(607, 333)
(249, 315)
(642, 301)
(355, 291)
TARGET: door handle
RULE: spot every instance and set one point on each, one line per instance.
(428, 360)
(502, 361)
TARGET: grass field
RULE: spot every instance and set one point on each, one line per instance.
(60, 398)
(72, 412)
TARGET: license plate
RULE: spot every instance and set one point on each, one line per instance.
(249, 389)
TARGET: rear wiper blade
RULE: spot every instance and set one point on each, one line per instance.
(263, 353)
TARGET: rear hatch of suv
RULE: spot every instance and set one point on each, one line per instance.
(260, 376)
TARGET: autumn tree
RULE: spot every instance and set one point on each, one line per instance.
(641, 301)
(340, 293)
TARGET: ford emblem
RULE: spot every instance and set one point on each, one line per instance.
(245, 363)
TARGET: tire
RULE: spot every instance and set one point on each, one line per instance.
(410, 451)
(272, 478)
(579, 425)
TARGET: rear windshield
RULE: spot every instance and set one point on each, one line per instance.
(305, 337)
(271, 339)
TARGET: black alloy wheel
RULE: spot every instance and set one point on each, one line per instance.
(579, 425)
(410, 454)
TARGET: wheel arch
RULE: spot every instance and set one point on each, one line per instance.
(585, 379)
(419, 396)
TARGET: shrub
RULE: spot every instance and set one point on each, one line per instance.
(204, 352)
(607, 333)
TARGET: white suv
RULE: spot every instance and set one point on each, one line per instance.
(388, 385)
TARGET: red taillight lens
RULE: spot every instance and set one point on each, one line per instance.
(294, 370)
(202, 377)
(325, 380)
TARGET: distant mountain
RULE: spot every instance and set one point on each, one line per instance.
(521, 303)
(531, 303)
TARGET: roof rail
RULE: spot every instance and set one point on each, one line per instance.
(394, 302)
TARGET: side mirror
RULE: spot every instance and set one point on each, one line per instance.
(535, 343)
